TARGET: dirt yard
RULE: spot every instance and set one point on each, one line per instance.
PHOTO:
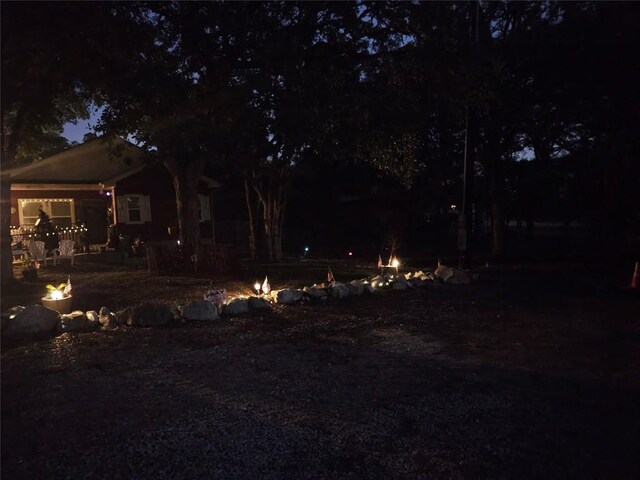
(529, 373)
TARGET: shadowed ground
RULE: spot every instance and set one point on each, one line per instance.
(531, 373)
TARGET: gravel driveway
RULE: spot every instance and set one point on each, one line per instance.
(509, 378)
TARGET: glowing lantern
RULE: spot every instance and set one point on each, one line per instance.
(395, 264)
(56, 295)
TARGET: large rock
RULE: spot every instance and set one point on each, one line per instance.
(378, 281)
(368, 288)
(93, 316)
(107, 318)
(31, 320)
(459, 277)
(339, 291)
(356, 287)
(8, 315)
(199, 310)
(417, 282)
(147, 314)
(237, 306)
(258, 303)
(443, 272)
(76, 321)
(316, 293)
(288, 296)
(398, 285)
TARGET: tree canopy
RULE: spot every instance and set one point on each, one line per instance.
(542, 96)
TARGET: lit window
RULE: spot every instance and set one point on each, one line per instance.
(60, 211)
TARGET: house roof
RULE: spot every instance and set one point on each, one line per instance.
(95, 161)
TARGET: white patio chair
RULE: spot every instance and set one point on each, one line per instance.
(64, 250)
(37, 251)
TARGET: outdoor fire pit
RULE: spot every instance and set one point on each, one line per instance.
(58, 299)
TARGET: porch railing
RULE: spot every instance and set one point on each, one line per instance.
(22, 235)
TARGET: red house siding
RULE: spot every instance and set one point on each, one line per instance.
(78, 197)
(90, 208)
(156, 182)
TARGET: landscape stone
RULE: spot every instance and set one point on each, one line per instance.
(315, 292)
(236, 306)
(398, 285)
(31, 320)
(356, 287)
(147, 314)
(417, 282)
(258, 303)
(199, 310)
(107, 318)
(288, 296)
(443, 272)
(378, 281)
(93, 316)
(459, 277)
(8, 314)
(76, 321)
(339, 291)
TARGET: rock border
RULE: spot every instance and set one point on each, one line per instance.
(34, 320)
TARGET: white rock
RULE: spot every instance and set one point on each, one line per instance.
(199, 310)
(148, 314)
(93, 316)
(443, 272)
(315, 293)
(33, 319)
(399, 285)
(459, 277)
(356, 287)
(237, 306)
(258, 303)
(378, 281)
(339, 290)
(76, 321)
(288, 296)
(106, 319)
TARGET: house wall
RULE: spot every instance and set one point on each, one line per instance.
(156, 182)
(78, 197)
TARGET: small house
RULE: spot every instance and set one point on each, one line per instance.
(101, 185)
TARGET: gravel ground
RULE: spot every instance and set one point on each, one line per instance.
(526, 374)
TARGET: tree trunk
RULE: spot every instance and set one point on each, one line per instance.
(272, 197)
(6, 265)
(185, 180)
(497, 224)
(252, 226)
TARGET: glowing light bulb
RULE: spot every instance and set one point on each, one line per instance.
(257, 286)
(395, 263)
(56, 295)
